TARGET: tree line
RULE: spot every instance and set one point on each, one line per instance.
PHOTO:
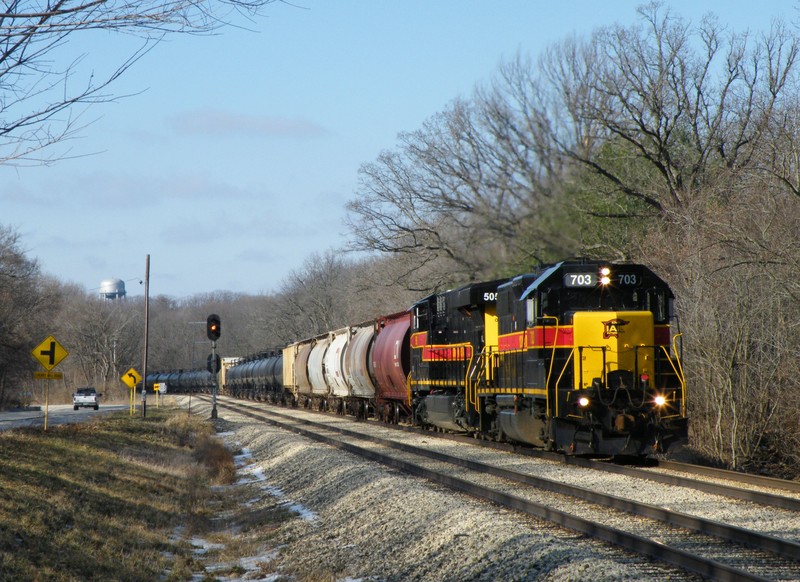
(670, 143)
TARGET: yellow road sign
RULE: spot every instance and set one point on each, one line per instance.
(131, 378)
(49, 353)
(48, 376)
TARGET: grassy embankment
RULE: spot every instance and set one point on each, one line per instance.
(115, 499)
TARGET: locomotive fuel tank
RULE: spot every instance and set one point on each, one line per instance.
(519, 421)
(442, 410)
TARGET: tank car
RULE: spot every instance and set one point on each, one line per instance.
(335, 371)
(356, 369)
(238, 379)
(257, 377)
(267, 377)
(316, 373)
(301, 381)
(345, 367)
(390, 365)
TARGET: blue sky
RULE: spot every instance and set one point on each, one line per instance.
(233, 158)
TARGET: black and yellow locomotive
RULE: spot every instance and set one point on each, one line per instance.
(579, 357)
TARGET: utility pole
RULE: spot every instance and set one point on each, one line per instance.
(146, 326)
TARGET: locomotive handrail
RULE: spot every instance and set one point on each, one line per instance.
(681, 376)
(469, 384)
(677, 355)
(678, 374)
(558, 380)
(478, 364)
(550, 371)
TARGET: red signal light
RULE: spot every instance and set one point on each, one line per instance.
(213, 327)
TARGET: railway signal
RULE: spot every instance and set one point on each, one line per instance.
(213, 327)
(213, 363)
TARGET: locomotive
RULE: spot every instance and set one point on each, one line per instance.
(580, 357)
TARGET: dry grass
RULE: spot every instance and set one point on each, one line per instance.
(101, 501)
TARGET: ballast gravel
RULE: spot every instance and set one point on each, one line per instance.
(351, 519)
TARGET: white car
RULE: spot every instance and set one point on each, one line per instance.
(86, 398)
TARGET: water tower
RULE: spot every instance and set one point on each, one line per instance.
(112, 289)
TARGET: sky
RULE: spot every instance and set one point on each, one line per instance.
(229, 159)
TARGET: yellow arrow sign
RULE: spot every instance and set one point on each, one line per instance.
(49, 353)
(131, 378)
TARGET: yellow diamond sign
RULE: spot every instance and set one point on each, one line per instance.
(131, 378)
(49, 353)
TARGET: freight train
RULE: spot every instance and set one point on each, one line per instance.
(580, 356)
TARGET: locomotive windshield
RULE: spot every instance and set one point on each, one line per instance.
(590, 291)
(563, 302)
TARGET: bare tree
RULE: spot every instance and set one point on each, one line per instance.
(680, 105)
(40, 93)
(736, 279)
(387, 284)
(314, 299)
(465, 193)
(667, 142)
(27, 302)
(777, 159)
(104, 338)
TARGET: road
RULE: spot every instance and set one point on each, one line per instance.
(56, 414)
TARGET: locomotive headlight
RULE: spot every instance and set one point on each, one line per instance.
(605, 275)
(660, 400)
(583, 401)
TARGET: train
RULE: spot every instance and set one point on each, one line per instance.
(581, 357)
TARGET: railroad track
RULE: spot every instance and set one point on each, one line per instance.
(766, 491)
(723, 474)
(755, 488)
(706, 547)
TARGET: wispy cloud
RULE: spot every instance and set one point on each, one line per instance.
(216, 123)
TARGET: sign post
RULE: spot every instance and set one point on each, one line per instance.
(49, 353)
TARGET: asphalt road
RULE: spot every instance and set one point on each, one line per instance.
(56, 414)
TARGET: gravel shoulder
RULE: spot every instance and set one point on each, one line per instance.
(345, 518)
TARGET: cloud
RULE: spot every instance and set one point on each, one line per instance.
(215, 123)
